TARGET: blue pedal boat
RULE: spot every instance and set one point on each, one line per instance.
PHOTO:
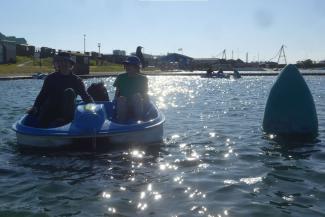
(92, 121)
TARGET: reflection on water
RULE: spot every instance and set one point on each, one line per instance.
(214, 160)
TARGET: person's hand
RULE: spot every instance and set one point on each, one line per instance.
(32, 111)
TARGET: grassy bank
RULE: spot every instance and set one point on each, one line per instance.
(26, 66)
(107, 68)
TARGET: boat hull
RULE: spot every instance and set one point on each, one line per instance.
(150, 135)
(92, 124)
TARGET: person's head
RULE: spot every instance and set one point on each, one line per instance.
(132, 64)
(139, 48)
(98, 91)
(63, 63)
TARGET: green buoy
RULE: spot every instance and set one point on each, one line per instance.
(290, 109)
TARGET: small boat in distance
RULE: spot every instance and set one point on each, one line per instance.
(39, 75)
(210, 74)
(92, 122)
(226, 76)
(236, 74)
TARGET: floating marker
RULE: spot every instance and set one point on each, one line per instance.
(290, 109)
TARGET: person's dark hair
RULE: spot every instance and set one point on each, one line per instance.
(98, 91)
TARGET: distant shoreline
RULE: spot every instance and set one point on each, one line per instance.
(158, 73)
(26, 67)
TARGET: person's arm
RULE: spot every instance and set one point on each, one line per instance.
(81, 90)
(117, 85)
(41, 97)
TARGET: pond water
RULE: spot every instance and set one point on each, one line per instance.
(214, 160)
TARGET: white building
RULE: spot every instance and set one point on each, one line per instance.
(119, 52)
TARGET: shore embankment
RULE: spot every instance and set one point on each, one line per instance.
(155, 73)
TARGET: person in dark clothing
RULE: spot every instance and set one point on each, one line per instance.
(98, 91)
(139, 54)
(56, 101)
(220, 73)
(209, 72)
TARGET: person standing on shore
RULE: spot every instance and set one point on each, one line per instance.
(139, 54)
(131, 91)
(56, 101)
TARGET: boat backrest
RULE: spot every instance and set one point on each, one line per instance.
(89, 117)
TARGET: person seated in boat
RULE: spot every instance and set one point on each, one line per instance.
(55, 102)
(220, 73)
(236, 74)
(131, 91)
(209, 72)
(98, 91)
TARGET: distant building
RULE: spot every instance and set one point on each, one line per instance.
(209, 61)
(150, 60)
(7, 52)
(17, 40)
(82, 63)
(8, 48)
(213, 63)
(47, 52)
(118, 59)
(25, 50)
(175, 61)
(119, 52)
(94, 55)
(2, 36)
(13, 39)
(269, 64)
(216, 64)
(2, 53)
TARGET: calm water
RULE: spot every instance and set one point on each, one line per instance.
(214, 160)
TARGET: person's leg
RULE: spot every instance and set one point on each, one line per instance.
(47, 114)
(68, 104)
(121, 109)
(137, 105)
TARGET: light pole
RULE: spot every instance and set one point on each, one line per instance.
(84, 43)
(99, 49)
(98, 56)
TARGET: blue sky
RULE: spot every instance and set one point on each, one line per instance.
(203, 28)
